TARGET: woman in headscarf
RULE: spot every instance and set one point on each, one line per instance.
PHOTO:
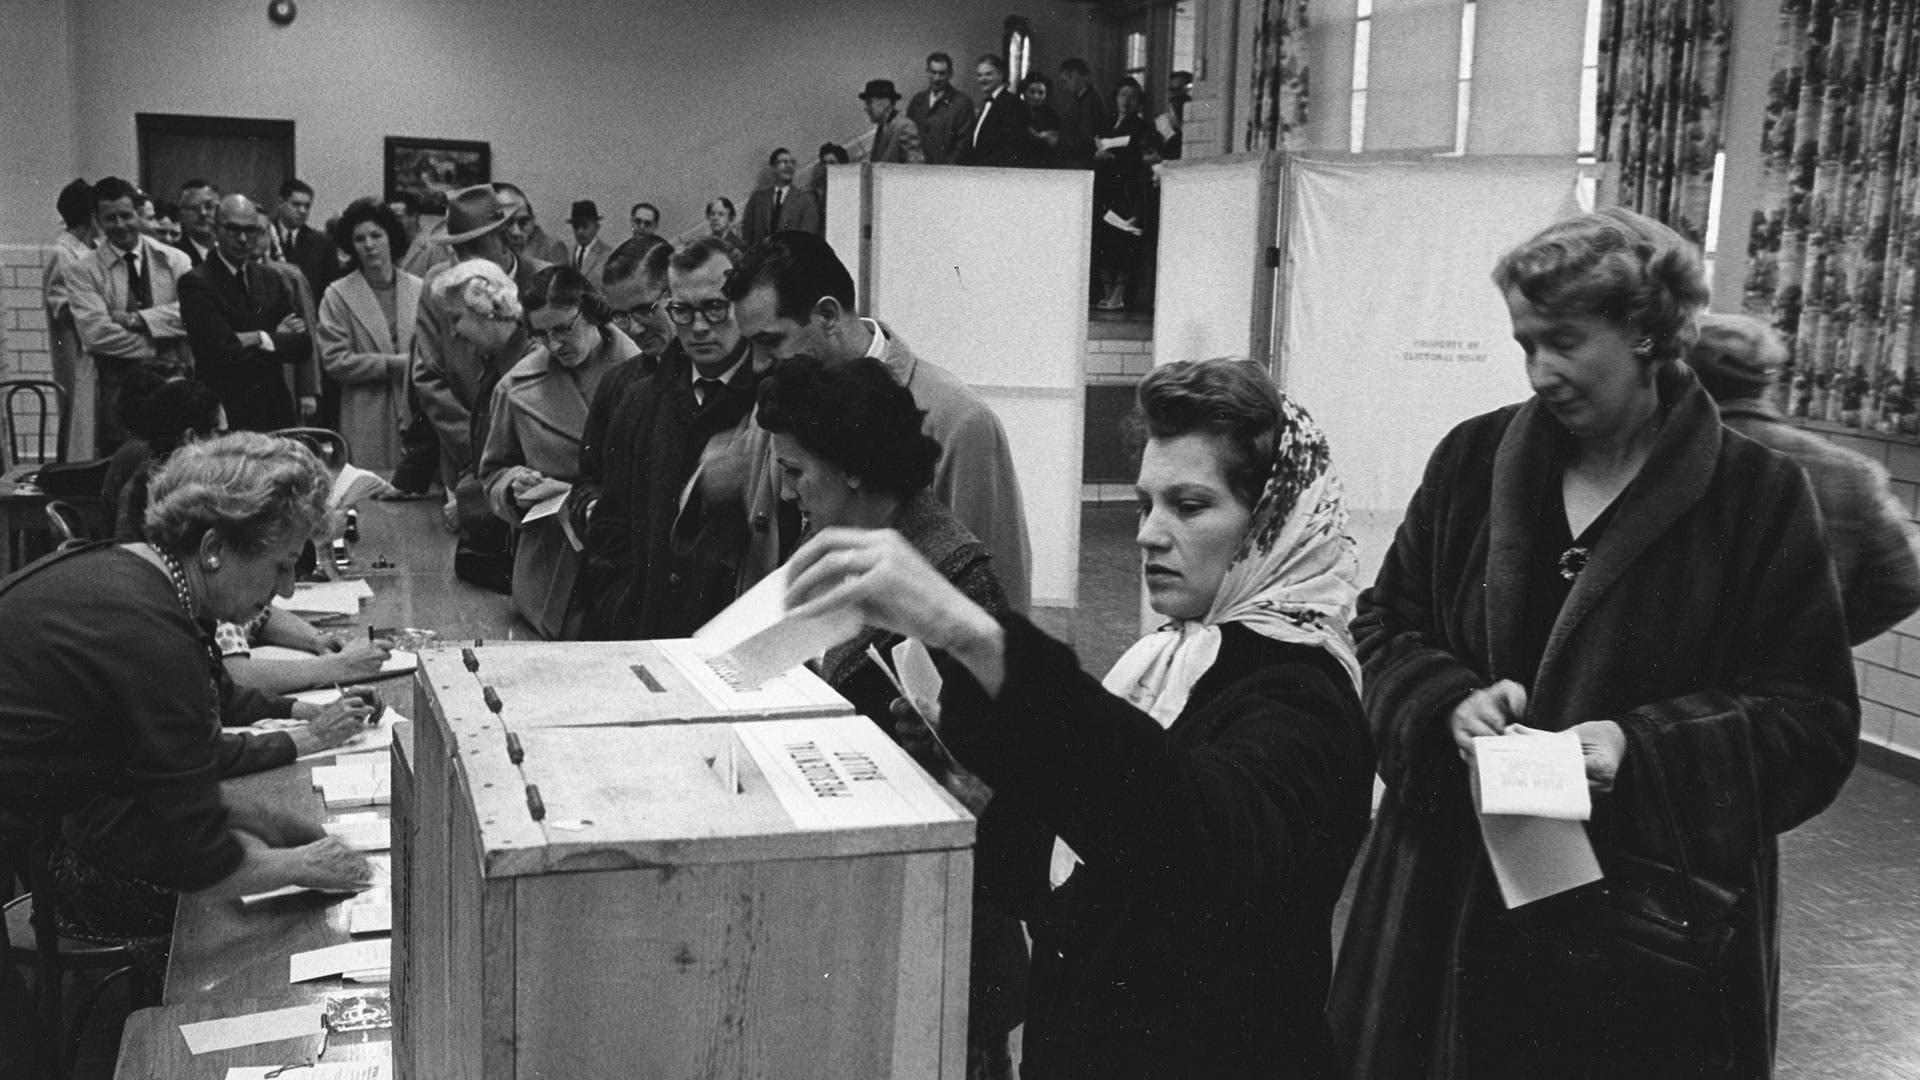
(1212, 790)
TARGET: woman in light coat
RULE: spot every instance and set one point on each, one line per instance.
(365, 333)
(533, 439)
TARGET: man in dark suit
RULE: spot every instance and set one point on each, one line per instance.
(780, 205)
(244, 329)
(313, 253)
(1000, 133)
(588, 253)
(1084, 118)
(198, 198)
(895, 138)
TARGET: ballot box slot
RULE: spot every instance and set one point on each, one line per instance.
(647, 679)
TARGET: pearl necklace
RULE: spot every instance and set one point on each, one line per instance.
(178, 574)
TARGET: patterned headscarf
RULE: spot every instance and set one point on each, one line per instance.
(1293, 580)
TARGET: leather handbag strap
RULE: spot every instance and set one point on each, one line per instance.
(1647, 760)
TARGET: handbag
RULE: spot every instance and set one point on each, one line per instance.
(1666, 921)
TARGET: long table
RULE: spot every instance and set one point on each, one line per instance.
(228, 961)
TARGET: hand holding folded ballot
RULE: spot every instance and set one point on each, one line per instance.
(1487, 711)
(334, 723)
(330, 865)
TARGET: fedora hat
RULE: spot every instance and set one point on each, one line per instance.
(471, 213)
(878, 88)
(584, 210)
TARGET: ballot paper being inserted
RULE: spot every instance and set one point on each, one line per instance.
(761, 640)
(1531, 791)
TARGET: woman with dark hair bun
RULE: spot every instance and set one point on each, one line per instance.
(1176, 835)
(848, 442)
(364, 335)
(532, 450)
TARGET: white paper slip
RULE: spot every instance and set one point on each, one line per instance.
(322, 1070)
(374, 835)
(371, 913)
(920, 680)
(1115, 142)
(546, 507)
(372, 742)
(761, 640)
(353, 483)
(1118, 222)
(298, 1022)
(363, 784)
(1536, 774)
(1164, 125)
(350, 959)
(327, 597)
(1535, 857)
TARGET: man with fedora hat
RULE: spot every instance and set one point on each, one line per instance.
(453, 376)
(895, 138)
(589, 252)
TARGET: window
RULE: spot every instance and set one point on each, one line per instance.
(1362, 41)
(1137, 56)
(1186, 35)
(1019, 50)
(1462, 103)
(1590, 84)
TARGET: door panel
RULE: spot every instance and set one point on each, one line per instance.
(251, 157)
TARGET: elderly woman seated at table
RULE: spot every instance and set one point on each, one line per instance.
(112, 699)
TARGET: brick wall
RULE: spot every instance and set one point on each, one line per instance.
(1889, 665)
(23, 324)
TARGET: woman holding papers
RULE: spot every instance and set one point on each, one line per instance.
(1123, 193)
(848, 443)
(1213, 788)
(532, 452)
(112, 698)
(1603, 559)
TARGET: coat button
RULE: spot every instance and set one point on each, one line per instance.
(760, 522)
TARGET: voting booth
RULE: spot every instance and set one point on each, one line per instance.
(609, 864)
(984, 272)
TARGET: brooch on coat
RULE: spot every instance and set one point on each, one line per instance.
(1573, 560)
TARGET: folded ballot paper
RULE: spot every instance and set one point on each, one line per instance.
(362, 782)
(759, 638)
(1531, 790)
(326, 598)
(357, 961)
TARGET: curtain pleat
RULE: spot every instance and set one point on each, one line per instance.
(1279, 75)
(1662, 89)
(1835, 245)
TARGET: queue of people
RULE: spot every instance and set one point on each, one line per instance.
(1673, 580)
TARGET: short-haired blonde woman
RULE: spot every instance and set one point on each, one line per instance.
(112, 697)
(1606, 559)
(482, 307)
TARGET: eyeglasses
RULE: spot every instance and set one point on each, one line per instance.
(241, 230)
(632, 317)
(546, 337)
(716, 312)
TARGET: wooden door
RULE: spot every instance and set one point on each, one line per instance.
(250, 157)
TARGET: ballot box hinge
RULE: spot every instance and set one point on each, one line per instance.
(492, 697)
(515, 752)
(468, 658)
(647, 679)
(535, 807)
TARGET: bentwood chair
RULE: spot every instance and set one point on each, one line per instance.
(68, 527)
(34, 415)
(326, 442)
(34, 940)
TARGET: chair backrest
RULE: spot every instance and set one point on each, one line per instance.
(33, 413)
(326, 442)
(68, 527)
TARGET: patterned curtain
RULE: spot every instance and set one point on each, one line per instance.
(1835, 244)
(1279, 75)
(1663, 80)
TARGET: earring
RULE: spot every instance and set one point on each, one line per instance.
(212, 564)
(1643, 347)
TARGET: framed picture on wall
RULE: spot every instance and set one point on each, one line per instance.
(429, 168)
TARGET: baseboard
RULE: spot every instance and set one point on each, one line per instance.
(1890, 761)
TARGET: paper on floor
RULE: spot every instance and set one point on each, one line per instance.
(206, 1036)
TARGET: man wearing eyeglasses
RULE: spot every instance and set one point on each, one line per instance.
(249, 342)
(667, 545)
(198, 198)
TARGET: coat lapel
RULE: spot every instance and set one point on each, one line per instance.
(366, 307)
(1525, 460)
(1677, 473)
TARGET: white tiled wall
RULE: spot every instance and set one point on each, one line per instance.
(1889, 665)
(23, 325)
(1117, 360)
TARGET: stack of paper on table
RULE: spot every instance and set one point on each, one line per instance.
(363, 832)
(228, 1032)
(370, 913)
(361, 1069)
(327, 597)
(357, 961)
(359, 783)
(1531, 790)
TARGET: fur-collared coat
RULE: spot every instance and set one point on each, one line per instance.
(1707, 622)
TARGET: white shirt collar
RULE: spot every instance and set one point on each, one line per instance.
(877, 348)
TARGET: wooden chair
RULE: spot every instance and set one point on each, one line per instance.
(68, 527)
(33, 940)
(35, 416)
(326, 442)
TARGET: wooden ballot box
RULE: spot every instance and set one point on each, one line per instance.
(612, 893)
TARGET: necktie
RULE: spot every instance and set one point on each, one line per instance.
(580, 256)
(705, 390)
(779, 200)
(139, 292)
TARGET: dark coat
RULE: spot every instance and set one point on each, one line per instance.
(800, 213)
(945, 127)
(637, 585)
(1707, 622)
(1195, 940)
(250, 382)
(1867, 531)
(1002, 139)
(313, 253)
